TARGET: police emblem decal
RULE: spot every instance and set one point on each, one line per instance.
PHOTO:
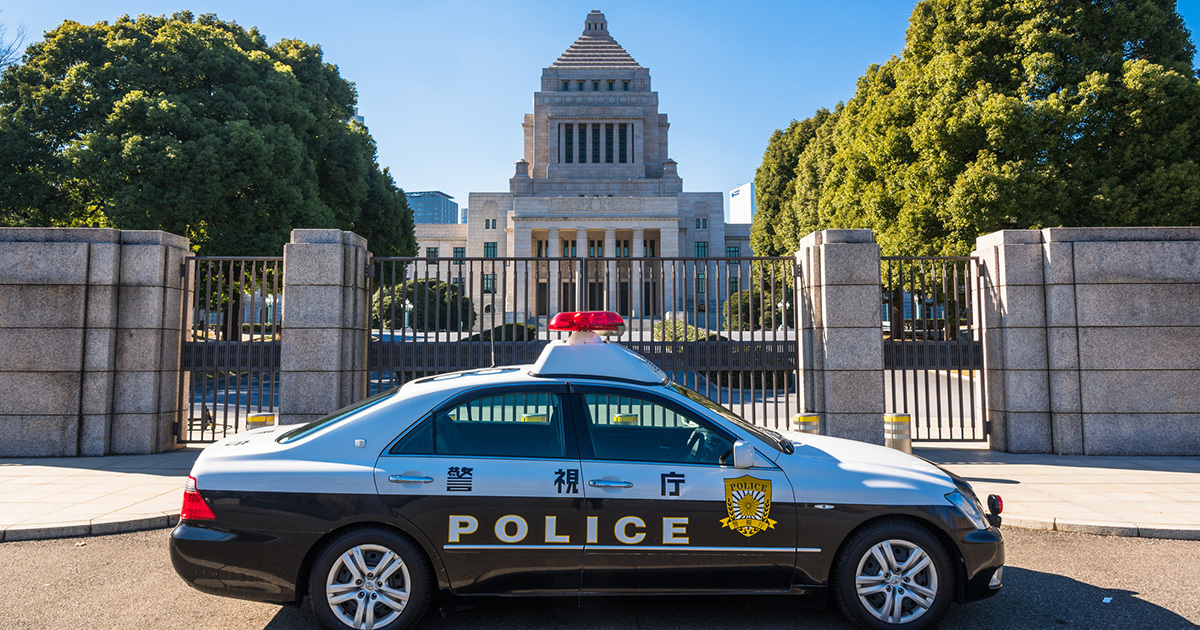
(748, 501)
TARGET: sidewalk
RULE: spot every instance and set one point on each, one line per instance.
(1150, 497)
(1154, 497)
(54, 497)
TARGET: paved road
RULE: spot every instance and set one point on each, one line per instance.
(1055, 580)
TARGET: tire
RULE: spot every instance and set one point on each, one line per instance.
(923, 589)
(337, 587)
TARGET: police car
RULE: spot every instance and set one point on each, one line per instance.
(588, 473)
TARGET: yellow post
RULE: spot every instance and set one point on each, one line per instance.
(259, 420)
(806, 423)
(897, 431)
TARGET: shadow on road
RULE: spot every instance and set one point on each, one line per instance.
(1030, 599)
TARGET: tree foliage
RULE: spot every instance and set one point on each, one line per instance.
(194, 126)
(1000, 115)
(423, 305)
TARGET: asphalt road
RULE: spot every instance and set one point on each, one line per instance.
(1054, 580)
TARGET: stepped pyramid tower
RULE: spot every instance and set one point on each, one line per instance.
(595, 180)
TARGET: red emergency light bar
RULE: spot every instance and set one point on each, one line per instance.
(596, 321)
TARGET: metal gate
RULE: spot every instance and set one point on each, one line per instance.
(723, 326)
(932, 346)
(230, 345)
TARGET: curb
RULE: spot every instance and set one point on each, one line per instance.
(99, 526)
(1103, 528)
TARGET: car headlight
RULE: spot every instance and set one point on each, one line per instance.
(969, 507)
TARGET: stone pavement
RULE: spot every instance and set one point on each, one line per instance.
(1150, 497)
(54, 497)
(1156, 497)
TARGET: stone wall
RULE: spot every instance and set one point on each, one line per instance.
(840, 329)
(1092, 340)
(90, 328)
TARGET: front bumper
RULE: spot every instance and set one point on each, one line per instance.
(983, 555)
(243, 565)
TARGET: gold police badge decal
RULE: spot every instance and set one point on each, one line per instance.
(748, 500)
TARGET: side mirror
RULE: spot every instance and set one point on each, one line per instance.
(745, 455)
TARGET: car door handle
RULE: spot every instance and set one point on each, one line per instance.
(409, 479)
(608, 483)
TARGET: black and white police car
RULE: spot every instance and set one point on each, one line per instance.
(587, 473)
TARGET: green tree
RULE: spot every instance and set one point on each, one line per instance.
(194, 126)
(430, 305)
(1007, 114)
(773, 181)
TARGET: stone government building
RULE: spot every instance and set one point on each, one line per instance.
(596, 180)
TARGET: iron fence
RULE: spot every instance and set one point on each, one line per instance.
(230, 345)
(932, 346)
(723, 326)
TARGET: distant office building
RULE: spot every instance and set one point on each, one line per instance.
(741, 204)
(433, 206)
(359, 119)
(462, 215)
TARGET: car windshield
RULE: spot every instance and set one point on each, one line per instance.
(766, 435)
(333, 418)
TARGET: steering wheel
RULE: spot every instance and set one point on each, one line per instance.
(695, 444)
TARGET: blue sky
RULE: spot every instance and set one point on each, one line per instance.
(444, 84)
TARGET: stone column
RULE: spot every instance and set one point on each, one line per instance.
(552, 278)
(636, 260)
(581, 277)
(841, 340)
(1013, 313)
(521, 287)
(611, 282)
(668, 246)
(323, 352)
(90, 327)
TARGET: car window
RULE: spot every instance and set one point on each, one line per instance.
(627, 428)
(508, 425)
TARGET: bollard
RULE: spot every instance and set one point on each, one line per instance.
(806, 423)
(259, 420)
(897, 431)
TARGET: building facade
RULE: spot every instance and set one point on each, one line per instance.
(741, 204)
(595, 181)
(432, 206)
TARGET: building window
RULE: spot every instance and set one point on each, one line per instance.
(460, 252)
(566, 86)
(704, 223)
(622, 249)
(701, 249)
(621, 143)
(697, 224)
(581, 86)
(733, 251)
(595, 86)
(701, 283)
(624, 86)
(733, 286)
(489, 283)
(647, 249)
(608, 143)
(611, 84)
(569, 148)
(489, 250)
(595, 249)
(568, 249)
(595, 144)
(583, 144)
(431, 252)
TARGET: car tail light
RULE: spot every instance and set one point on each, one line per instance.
(194, 507)
(596, 321)
(995, 504)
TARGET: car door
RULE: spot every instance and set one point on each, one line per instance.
(492, 478)
(666, 509)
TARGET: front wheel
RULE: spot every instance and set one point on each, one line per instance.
(370, 578)
(893, 575)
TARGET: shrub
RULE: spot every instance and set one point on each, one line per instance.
(434, 305)
(507, 332)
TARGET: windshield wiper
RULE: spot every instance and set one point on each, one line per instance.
(785, 444)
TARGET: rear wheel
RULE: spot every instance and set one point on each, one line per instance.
(370, 578)
(894, 574)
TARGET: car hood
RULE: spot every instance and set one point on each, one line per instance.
(835, 470)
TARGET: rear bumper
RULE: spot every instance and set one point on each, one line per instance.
(243, 565)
